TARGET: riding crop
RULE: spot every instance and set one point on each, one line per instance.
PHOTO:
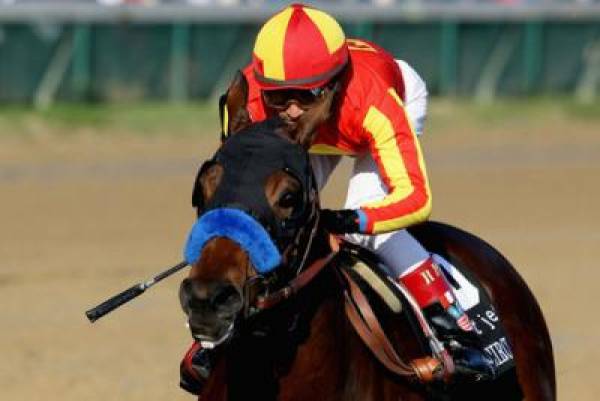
(114, 302)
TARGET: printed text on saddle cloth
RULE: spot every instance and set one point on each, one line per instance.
(485, 320)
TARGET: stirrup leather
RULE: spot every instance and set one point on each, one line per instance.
(440, 366)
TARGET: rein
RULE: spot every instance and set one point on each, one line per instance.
(300, 281)
(303, 275)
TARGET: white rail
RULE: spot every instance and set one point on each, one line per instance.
(63, 12)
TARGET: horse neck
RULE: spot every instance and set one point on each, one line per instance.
(299, 346)
(317, 371)
(333, 364)
(322, 358)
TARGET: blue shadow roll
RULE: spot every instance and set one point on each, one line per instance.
(238, 226)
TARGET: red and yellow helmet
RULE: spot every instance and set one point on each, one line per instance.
(299, 47)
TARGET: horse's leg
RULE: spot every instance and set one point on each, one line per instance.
(521, 315)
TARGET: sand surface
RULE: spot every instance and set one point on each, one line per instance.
(83, 217)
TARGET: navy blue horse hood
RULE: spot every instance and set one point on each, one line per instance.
(248, 158)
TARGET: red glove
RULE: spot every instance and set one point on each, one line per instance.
(194, 369)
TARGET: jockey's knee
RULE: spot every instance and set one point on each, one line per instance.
(397, 250)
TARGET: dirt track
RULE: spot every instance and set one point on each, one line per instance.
(86, 216)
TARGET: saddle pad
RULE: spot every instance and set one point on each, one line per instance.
(473, 298)
(379, 285)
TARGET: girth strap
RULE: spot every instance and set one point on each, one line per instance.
(367, 326)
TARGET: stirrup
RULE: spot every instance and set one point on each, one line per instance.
(465, 348)
(471, 363)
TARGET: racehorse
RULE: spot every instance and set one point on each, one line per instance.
(285, 334)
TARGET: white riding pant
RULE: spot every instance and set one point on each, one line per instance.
(398, 250)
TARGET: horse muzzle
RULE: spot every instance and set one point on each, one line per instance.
(212, 309)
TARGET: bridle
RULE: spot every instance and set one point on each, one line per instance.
(263, 292)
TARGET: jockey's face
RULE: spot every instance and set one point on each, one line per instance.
(281, 99)
(292, 105)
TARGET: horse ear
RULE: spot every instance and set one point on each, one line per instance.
(232, 105)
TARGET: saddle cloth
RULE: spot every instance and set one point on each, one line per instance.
(467, 290)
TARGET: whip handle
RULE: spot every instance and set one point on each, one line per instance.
(114, 302)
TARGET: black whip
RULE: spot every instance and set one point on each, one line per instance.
(114, 302)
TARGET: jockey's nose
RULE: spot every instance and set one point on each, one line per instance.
(293, 111)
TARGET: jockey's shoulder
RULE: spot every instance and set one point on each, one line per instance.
(371, 58)
(372, 72)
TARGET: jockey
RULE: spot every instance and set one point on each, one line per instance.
(366, 105)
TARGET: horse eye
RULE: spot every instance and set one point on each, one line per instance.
(289, 199)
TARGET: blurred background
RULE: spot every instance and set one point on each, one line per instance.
(108, 107)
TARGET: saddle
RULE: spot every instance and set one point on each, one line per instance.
(364, 279)
(359, 276)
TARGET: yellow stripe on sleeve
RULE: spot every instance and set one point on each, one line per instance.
(384, 136)
(392, 93)
(322, 149)
(405, 221)
(416, 141)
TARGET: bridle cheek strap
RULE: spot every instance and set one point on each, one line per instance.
(300, 281)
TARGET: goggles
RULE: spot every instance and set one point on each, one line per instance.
(280, 99)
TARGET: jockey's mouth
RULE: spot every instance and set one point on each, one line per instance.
(291, 123)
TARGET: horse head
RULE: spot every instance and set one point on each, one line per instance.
(257, 208)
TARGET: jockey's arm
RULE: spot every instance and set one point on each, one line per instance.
(395, 148)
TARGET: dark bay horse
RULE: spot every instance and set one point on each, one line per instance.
(304, 347)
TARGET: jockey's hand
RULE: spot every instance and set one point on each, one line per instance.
(343, 221)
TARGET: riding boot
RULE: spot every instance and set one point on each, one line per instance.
(451, 324)
(195, 368)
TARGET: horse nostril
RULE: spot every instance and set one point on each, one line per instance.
(227, 300)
